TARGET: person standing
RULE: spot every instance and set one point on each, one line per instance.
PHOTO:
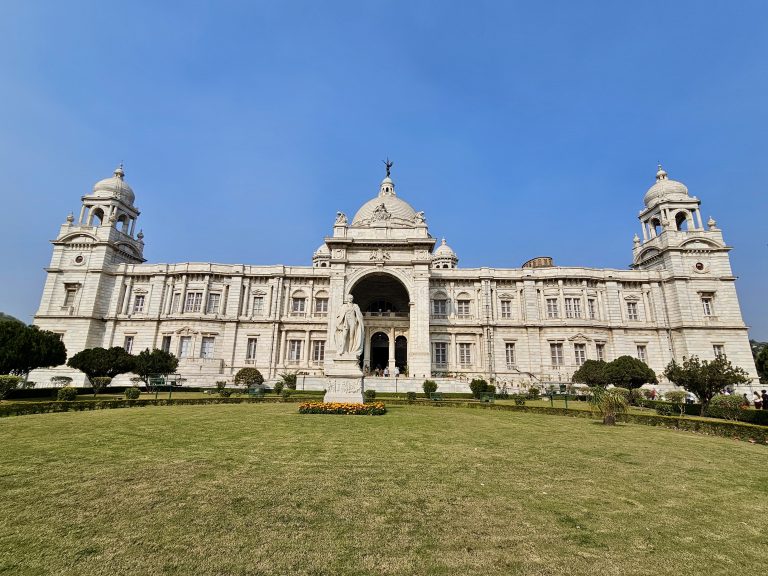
(764, 396)
(386, 371)
(757, 401)
(397, 371)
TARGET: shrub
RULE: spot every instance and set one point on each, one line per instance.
(519, 399)
(429, 387)
(370, 395)
(286, 393)
(99, 383)
(67, 394)
(7, 383)
(278, 387)
(410, 396)
(726, 407)
(533, 393)
(27, 385)
(224, 393)
(220, 385)
(289, 380)
(478, 386)
(490, 390)
(503, 393)
(664, 410)
(60, 381)
(248, 377)
(132, 393)
(636, 396)
(677, 398)
(623, 392)
(610, 403)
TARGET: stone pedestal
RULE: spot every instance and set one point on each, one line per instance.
(345, 381)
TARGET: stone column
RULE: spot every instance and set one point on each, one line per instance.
(391, 359)
(307, 341)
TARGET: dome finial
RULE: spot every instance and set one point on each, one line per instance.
(119, 173)
(661, 174)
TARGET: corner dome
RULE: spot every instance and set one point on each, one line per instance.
(665, 189)
(385, 207)
(322, 250)
(115, 187)
(444, 251)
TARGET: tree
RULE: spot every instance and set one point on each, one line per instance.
(289, 379)
(610, 403)
(24, 348)
(7, 383)
(478, 386)
(248, 377)
(705, 378)
(100, 362)
(155, 362)
(629, 372)
(592, 373)
(761, 363)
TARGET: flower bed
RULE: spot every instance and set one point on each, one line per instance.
(372, 409)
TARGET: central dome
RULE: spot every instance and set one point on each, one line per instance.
(665, 189)
(115, 187)
(386, 207)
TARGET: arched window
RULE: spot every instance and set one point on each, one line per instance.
(681, 220)
(656, 226)
(97, 217)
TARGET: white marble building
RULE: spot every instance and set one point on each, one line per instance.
(423, 313)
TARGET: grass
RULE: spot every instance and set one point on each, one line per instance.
(260, 489)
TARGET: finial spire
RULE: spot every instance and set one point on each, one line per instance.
(661, 174)
(388, 163)
(119, 171)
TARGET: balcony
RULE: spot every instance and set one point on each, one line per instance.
(385, 314)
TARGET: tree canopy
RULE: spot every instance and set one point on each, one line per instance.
(761, 363)
(24, 348)
(592, 373)
(102, 362)
(705, 378)
(629, 372)
(154, 362)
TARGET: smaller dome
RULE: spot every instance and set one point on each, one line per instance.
(666, 189)
(322, 250)
(115, 187)
(444, 251)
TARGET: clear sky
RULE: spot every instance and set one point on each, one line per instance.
(520, 128)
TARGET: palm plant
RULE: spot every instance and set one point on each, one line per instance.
(609, 403)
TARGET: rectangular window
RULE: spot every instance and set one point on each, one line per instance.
(212, 307)
(193, 302)
(69, 295)
(294, 350)
(462, 308)
(706, 303)
(718, 349)
(206, 347)
(250, 349)
(509, 351)
(297, 305)
(556, 352)
(321, 306)
(258, 305)
(580, 353)
(552, 311)
(440, 353)
(138, 304)
(592, 308)
(642, 353)
(572, 308)
(506, 308)
(600, 351)
(632, 310)
(185, 346)
(175, 303)
(318, 351)
(128, 344)
(165, 346)
(440, 308)
(465, 354)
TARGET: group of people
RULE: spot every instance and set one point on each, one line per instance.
(759, 401)
(378, 371)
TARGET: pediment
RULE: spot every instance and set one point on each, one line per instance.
(580, 337)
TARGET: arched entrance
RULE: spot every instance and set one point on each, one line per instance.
(385, 304)
(379, 351)
(401, 352)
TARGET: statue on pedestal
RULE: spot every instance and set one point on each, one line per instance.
(349, 329)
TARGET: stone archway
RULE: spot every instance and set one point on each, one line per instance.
(379, 351)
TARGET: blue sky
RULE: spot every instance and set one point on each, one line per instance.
(520, 128)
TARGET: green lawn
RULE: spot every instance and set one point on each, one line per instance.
(260, 489)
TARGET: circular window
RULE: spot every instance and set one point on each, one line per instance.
(699, 266)
(78, 259)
